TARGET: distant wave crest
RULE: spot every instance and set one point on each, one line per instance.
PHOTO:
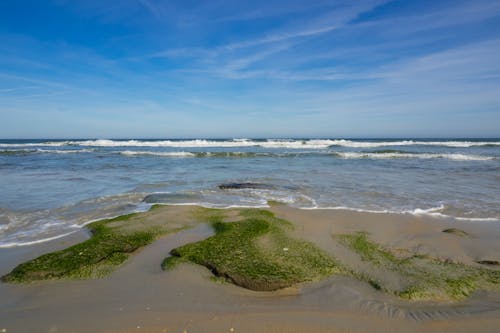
(268, 143)
(382, 154)
(157, 153)
(392, 155)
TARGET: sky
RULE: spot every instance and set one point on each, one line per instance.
(255, 69)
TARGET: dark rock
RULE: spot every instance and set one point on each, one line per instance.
(488, 262)
(241, 186)
(456, 232)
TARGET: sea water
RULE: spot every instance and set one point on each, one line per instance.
(49, 188)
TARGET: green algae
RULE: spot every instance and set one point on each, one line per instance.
(253, 248)
(112, 242)
(256, 252)
(422, 277)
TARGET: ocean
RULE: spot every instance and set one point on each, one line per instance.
(51, 188)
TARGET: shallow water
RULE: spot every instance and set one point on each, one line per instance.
(50, 188)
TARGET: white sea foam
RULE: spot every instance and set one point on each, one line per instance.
(35, 144)
(157, 153)
(215, 205)
(269, 143)
(428, 211)
(457, 157)
(276, 144)
(375, 144)
(296, 144)
(291, 144)
(65, 151)
(33, 242)
(163, 143)
(433, 212)
(436, 212)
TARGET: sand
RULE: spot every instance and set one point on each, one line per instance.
(140, 297)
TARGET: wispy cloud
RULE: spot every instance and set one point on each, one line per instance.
(459, 14)
(152, 7)
(16, 89)
(233, 59)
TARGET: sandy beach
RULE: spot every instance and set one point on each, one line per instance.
(249, 166)
(140, 297)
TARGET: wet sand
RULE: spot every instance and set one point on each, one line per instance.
(140, 297)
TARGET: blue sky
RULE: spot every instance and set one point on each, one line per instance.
(165, 69)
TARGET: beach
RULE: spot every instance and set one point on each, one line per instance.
(141, 297)
(249, 166)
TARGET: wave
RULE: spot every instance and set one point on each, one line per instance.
(33, 242)
(163, 143)
(268, 143)
(8, 152)
(381, 154)
(432, 212)
(221, 154)
(394, 155)
(44, 151)
(65, 151)
(290, 144)
(376, 144)
(157, 153)
(34, 144)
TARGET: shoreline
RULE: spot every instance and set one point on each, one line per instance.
(429, 213)
(187, 299)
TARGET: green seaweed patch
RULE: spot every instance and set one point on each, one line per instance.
(256, 253)
(111, 243)
(172, 262)
(95, 257)
(423, 277)
(211, 215)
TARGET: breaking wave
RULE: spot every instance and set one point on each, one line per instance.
(267, 143)
(382, 154)
(457, 157)
(157, 153)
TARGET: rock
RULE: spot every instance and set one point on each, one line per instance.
(488, 262)
(456, 232)
(240, 186)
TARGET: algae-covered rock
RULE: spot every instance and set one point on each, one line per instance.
(420, 277)
(111, 243)
(256, 253)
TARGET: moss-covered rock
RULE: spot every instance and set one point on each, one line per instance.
(422, 277)
(111, 243)
(256, 253)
